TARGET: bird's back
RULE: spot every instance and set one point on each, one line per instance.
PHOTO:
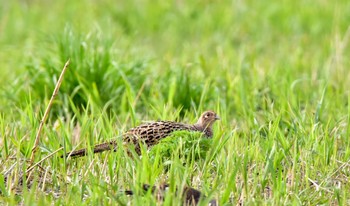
(152, 132)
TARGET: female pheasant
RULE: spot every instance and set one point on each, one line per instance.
(151, 133)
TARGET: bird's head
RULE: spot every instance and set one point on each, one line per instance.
(207, 119)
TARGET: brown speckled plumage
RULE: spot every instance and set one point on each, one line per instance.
(152, 133)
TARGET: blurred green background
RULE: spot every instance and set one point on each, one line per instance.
(238, 52)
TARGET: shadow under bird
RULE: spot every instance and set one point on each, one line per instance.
(151, 133)
(190, 196)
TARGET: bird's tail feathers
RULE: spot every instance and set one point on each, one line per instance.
(97, 149)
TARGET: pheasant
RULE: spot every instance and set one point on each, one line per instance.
(190, 196)
(151, 133)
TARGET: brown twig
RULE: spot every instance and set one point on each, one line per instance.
(36, 164)
(46, 114)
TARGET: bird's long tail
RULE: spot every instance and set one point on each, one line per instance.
(97, 149)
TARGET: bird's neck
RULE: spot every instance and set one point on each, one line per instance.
(207, 130)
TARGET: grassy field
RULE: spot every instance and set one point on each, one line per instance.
(277, 73)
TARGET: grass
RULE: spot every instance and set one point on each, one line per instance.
(276, 73)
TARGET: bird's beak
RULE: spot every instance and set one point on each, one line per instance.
(217, 118)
